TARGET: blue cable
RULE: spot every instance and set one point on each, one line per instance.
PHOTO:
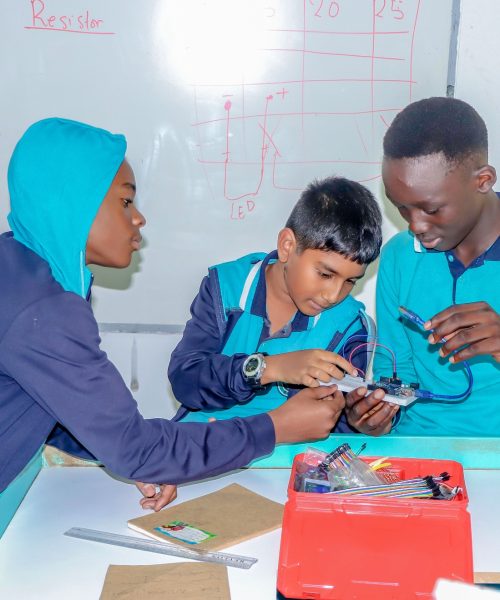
(414, 318)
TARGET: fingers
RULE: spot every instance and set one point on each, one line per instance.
(478, 331)
(488, 346)
(331, 370)
(148, 490)
(166, 494)
(380, 421)
(308, 415)
(376, 420)
(311, 382)
(467, 337)
(306, 367)
(456, 309)
(457, 323)
(338, 400)
(355, 396)
(330, 408)
(338, 364)
(321, 392)
(359, 405)
(323, 369)
(150, 500)
(370, 414)
(156, 497)
(474, 328)
(378, 416)
(458, 317)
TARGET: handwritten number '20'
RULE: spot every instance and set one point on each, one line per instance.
(397, 13)
(333, 9)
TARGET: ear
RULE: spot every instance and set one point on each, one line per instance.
(485, 179)
(287, 244)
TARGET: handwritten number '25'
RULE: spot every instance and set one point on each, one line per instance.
(333, 8)
(397, 13)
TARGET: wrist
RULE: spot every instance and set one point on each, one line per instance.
(277, 419)
(268, 373)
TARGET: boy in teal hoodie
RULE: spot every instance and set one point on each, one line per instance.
(72, 203)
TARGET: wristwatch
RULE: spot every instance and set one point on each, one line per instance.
(253, 368)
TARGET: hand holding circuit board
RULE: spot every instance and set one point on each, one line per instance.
(371, 405)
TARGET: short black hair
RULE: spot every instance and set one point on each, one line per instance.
(436, 125)
(338, 215)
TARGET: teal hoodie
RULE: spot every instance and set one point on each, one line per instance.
(57, 385)
(58, 176)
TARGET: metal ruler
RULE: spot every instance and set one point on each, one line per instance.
(127, 541)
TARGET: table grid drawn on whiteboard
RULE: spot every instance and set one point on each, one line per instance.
(230, 108)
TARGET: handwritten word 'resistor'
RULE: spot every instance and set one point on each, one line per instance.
(42, 18)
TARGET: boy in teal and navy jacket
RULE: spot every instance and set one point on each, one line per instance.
(264, 325)
(446, 268)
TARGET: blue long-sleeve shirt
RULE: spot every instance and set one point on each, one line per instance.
(56, 381)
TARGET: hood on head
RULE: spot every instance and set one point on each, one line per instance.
(59, 173)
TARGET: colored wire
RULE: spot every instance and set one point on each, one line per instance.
(375, 345)
(360, 336)
(373, 342)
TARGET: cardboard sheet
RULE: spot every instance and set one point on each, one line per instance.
(189, 581)
(214, 521)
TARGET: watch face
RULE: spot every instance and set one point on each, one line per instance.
(252, 365)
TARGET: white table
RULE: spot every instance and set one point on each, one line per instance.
(37, 561)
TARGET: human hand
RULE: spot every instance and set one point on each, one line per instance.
(474, 326)
(369, 414)
(155, 499)
(309, 415)
(306, 367)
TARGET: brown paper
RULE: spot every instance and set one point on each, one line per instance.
(189, 581)
(485, 577)
(232, 515)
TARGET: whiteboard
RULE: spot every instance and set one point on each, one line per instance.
(230, 108)
(477, 75)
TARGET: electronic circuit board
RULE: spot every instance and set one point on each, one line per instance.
(396, 391)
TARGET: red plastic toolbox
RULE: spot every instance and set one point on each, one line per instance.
(343, 547)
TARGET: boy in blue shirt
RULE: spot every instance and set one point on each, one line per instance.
(446, 269)
(265, 324)
(72, 204)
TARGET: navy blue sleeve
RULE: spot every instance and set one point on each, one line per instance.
(359, 356)
(202, 377)
(360, 361)
(62, 439)
(52, 351)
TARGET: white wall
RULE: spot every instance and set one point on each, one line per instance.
(478, 66)
(154, 395)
